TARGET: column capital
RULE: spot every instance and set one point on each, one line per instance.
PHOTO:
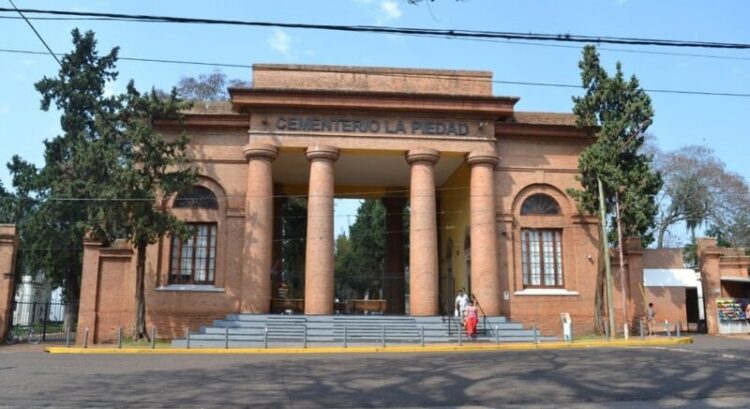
(260, 150)
(322, 152)
(484, 157)
(428, 155)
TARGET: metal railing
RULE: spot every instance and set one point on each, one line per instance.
(47, 321)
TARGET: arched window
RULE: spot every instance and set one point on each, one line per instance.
(540, 204)
(193, 258)
(197, 197)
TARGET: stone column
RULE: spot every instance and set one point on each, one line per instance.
(393, 265)
(484, 277)
(319, 242)
(257, 250)
(423, 251)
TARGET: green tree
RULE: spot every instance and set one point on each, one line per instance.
(7, 205)
(294, 230)
(106, 173)
(360, 257)
(149, 167)
(51, 219)
(619, 111)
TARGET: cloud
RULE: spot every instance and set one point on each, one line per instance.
(281, 42)
(4, 109)
(621, 2)
(383, 11)
(390, 10)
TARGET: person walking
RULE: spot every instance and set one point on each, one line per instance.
(472, 319)
(651, 318)
(462, 301)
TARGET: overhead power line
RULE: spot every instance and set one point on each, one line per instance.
(451, 33)
(403, 75)
(495, 41)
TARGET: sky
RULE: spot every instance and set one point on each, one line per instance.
(719, 122)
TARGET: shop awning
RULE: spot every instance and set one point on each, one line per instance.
(670, 277)
(736, 279)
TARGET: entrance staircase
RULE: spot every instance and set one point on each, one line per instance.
(259, 330)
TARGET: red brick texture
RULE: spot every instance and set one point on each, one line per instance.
(8, 245)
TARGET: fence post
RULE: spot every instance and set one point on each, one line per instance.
(497, 335)
(153, 336)
(536, 337)
(67, 337)
(86, 337)
(666, 328)
(383, 337)
(187, 340)
(677, 328)
(640, 329)
(226, 337)
(44, 321)
(625, 331)
(119, 337)
(421, 334)
(460, 337)
(304, 336)
(344, 336)
(265, 337)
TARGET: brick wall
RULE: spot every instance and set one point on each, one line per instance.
(8, 245)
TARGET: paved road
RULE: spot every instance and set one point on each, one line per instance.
(713, 372)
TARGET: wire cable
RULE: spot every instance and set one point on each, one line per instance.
(453, 33)
(408, 75)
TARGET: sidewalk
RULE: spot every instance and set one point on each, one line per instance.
(466, 347)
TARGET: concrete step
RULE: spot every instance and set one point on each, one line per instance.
(250, 330)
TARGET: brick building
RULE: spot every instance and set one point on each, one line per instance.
(485, 185)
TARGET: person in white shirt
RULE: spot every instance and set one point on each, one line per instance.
(462, 301)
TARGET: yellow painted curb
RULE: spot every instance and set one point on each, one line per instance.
(468, 347)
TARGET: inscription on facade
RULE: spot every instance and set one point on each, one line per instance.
(364, 125)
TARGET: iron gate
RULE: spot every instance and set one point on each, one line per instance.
(43, 321)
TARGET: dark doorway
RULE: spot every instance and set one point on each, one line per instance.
(691, 305)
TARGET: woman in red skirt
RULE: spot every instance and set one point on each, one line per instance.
(472, 318)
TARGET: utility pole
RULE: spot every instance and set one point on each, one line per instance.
(607, 266)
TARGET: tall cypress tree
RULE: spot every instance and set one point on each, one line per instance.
(620, 111)
(105, 174)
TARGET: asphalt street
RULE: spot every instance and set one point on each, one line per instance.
(713, 372)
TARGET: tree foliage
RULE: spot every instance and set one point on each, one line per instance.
(294, 229)
(697, 189)
(104, 175)
(620, 112)
(7, 205)
(360, 257)
(207, 87)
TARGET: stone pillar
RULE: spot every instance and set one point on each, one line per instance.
(393, 265)
(258, 239)
(709, 256)
(484, 276)
(8, 245)
(87, 307)
(319, 284)
(423, 250)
